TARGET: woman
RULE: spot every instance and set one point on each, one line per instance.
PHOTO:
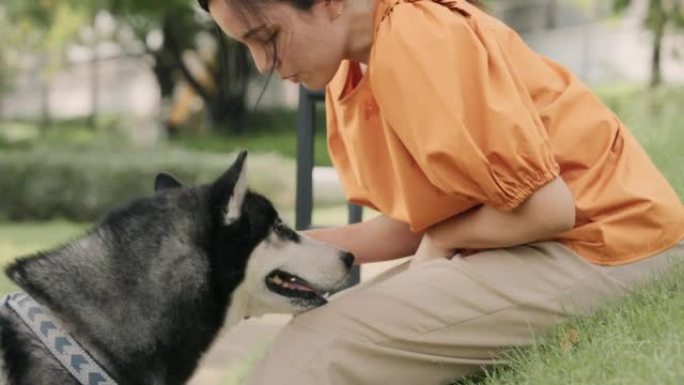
(522, 197)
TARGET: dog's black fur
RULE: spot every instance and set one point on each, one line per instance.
(147, 290)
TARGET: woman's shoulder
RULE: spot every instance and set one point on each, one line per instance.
(387, 7)
(419, 16)
(405, 28)
(458, 5)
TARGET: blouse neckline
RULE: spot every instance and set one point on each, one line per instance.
(355, 80)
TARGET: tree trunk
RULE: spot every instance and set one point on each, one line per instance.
(94, 85)
(45, 115)
(225, 101)
(228, 113)
(164, 72)
(552, 14)
(176, 52)
(227, 110)
(3, 88)
(658, 16)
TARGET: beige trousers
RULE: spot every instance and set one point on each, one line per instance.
(444, 319)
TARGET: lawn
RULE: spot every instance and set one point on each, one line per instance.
(637, 341)
(24, 238)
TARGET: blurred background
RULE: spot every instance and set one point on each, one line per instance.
(97, 96)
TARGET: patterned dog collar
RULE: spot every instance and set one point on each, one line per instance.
(62, 346)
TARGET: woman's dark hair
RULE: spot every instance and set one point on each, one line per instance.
(251, 6)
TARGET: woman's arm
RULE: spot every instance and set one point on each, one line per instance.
(374, 240)
(549, 211)
(546, 213)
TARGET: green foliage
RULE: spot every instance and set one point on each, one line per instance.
(6, 57)
(39, 184)
(284, 144)
(45, 26)
(149, 15)
(18, 239)
(678, 14)
(654, 116)
(272, 131)
(621, 5)
(660, 16)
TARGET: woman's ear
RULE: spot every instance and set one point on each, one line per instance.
(334, 8)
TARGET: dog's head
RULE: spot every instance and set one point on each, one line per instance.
(281, 271)
(158, 276)
(219, 246)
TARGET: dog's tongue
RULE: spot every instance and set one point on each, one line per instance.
(299, 286)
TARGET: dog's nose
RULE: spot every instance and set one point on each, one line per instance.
(348, 259)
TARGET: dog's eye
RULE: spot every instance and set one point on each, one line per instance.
(281, 230)
(284, 232)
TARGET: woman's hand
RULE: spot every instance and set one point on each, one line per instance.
(428, 250)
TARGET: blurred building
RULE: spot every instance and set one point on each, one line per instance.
(597, 46)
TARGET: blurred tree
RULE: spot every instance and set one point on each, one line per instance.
(45, 27)
(662, 14)
(6, 46)
(220, 79)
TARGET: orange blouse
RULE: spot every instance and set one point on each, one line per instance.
(455, 111)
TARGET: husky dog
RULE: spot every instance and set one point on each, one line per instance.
(147, 290)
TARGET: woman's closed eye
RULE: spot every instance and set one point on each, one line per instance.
(270, 46)
(267, 37)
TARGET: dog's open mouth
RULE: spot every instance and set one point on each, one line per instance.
(288, 285)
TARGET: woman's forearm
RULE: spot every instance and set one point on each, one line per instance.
(548, 212)
(374, 240)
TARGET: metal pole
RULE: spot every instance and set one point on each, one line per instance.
(305, 148)
(306, 131)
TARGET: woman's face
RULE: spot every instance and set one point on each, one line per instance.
(302, 46)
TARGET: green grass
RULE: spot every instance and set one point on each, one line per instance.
(637, 341)
(275, 131)
(655, 117)
(17, 239)
(72, 133)
(284, 143)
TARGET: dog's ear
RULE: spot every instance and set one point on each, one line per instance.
(16, 271)
(165, 181)
(230, 189)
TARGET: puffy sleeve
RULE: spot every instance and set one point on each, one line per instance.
(446, 89)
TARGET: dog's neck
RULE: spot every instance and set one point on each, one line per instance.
(241, 307)
(124, 324)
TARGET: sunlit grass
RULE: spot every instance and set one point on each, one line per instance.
(637, 341)
(18, 239)
(655, 117)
